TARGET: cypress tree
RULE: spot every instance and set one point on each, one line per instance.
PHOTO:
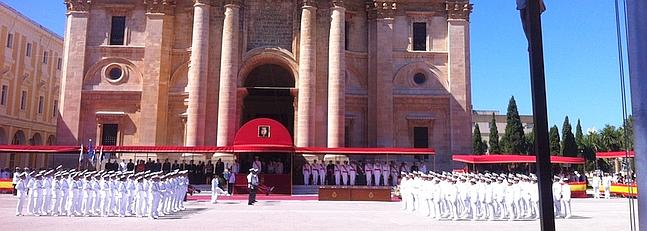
(494, 137)
(569, 147)
(514, 139)
(555, 147)
(579, 135)
(478, 146)
(530, 142)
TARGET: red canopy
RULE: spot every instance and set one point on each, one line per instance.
(41, 149)
(616, 154)
(367, 151)
(513, 158)
(163, 149)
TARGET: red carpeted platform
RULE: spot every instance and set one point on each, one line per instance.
(277, 197)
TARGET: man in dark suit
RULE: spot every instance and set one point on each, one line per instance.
(175, 165)
(166, 167)
(130, 166)
(330, 172)
(220, 168)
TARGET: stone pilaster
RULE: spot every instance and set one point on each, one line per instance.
(460, 105)
(157, 60)
(198, 69)
(229, 61)
(74, 51)
(336, 75)
(381, 111)
(307, 76)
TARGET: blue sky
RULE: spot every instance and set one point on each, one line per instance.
(579, 50)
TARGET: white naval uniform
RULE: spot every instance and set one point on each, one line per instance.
(65, 192)
(87, 197)
(123, 198)
(106, 197)
(368, 170)
(534, 199)
(57, 195)
(606, 183)
(75, 207)
(510, 201)
(34, 193)
(451, 193)
(130, 192)
(21, 193)
(595, 183)
(337, 174)
(377, 173)
(344, 173)
(566, 200)
(140, 198)
(153, 199)
(394, 175)
(436, 200)
(314, 171)
(488, 200)
(386, 172)
(352, 173)
(306, 173)
(322, 173)
(473, 199)
(215, 190)
(557, 196)
(47, 195)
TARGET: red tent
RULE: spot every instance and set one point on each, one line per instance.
(513, 158)
(616, 154)
(39, 149)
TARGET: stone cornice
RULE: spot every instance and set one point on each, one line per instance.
(160, 6)
(78, 5)
(336, 3)
(310, 3)
(203, 2)
(458, 9)
(381, 8)
(233, 2)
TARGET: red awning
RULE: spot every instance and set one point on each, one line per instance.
(262, 148)
(366, 151)
(163, 149)
(39, 149)
(513, 158)
(616, 154)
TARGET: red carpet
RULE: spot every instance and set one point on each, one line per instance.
(280, 197)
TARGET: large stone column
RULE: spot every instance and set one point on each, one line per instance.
(307, 76)
(68, 128)
(460, 104)
(198, 69)
(336, 75)
(157, 60)
(227, 121)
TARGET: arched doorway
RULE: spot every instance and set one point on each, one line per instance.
(268, 87)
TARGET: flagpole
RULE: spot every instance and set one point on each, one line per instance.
(80, 157)
(540, 114)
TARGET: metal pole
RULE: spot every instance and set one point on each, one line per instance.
(637, 53)
(539, 107)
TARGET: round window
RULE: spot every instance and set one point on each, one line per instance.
(419, 78)
(115, 73)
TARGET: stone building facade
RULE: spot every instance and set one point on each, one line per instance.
(30, 68)
(356, 73)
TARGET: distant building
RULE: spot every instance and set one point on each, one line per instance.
(484, 117)
(30, 67)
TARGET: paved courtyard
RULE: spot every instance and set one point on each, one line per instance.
(590, 215)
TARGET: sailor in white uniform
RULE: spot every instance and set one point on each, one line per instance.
(21, 192)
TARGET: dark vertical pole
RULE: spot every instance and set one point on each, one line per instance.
(540, 115)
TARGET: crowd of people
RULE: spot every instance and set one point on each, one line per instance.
(487, 196)
(200, 173)
(104, 193)
(363, 172)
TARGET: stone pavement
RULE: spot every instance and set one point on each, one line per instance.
(590, 215)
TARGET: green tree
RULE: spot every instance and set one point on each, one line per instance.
(579, 136)
(514, 139)
(628, 142)
(478, 146)
(553, 135)
(610, 139)
(494, 137)
(569, 147)
(530, 142)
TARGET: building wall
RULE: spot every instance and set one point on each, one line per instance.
(38, 76)
(382, 103)
(484, 118)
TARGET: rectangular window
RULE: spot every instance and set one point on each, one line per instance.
(109, 134)
(118, 30)
(3, 97)
(420, 137)
(23, 100)
(28, 53)
(55, 108)
(346, 30)
(45, 56)
(10, 41)
(419, 36)
(59, 64)
(41, 104)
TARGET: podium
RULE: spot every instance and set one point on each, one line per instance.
(354, 193)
